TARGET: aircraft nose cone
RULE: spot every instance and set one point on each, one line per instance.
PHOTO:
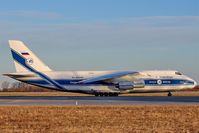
(195, 83)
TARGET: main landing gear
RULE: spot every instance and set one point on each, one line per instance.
(169, 94)
(101, 94)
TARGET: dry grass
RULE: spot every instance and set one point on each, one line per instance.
(100, 119)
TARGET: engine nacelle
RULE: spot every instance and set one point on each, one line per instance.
(125, 85)
(128, 85)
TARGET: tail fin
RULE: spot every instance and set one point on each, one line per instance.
(25, 59)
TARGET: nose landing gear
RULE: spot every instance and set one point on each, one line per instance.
(169, 94)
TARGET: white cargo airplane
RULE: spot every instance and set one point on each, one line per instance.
(31, 70)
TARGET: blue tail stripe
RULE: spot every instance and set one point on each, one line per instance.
(22, 61)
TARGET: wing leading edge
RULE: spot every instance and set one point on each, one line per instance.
(106, 77)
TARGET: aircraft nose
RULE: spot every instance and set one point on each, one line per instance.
(195, 83)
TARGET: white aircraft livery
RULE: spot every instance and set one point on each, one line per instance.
(31, 70)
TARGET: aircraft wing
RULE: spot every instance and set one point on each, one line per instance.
(106, 77)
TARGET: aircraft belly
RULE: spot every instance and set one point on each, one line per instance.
(160, 88)
(89, 88)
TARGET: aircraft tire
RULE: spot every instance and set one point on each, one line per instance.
(116, 94)
(101, 94)
(106, 94)
(110, 94)
(169, 94)
(96, 94)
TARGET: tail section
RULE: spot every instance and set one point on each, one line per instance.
(25, 59)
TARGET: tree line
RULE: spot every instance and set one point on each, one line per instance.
(21, 87)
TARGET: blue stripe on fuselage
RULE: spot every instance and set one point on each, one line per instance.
(154, 82)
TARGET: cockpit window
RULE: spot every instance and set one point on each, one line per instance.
(178, 73)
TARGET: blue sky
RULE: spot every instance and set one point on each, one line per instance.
(105, 34)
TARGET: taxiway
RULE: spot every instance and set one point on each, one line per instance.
(91, 100)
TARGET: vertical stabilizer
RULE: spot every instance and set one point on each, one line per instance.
(25, 59)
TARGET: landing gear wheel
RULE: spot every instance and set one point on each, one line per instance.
(110, 94)
(101, 94)
(115, 94)
(106, 94)
(169, 94)
(96, 94)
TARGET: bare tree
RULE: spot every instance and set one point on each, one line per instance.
(15, 85)
(22, 87)
(5, 85)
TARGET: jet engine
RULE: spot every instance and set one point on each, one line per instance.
(128, 85)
